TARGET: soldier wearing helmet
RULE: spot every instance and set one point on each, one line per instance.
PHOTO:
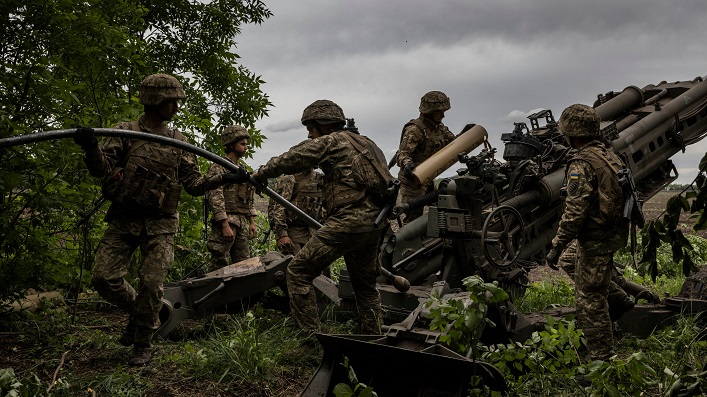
(144, 181)
(592, 226)
(231, 205)
(349, 229)
(421, 138)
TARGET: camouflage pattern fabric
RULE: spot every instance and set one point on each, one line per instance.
(359, 251)
(417, 145)
(590, 189)
(130, 228)
(304, 191)
(349, 230)
(568, 261)
(333, 154)
(235, 203)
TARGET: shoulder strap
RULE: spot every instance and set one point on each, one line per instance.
(355, 141)
(417, 123)
(135, 126)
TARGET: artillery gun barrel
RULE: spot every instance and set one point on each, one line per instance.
(548, 191)
(629, 98)
(643, 144)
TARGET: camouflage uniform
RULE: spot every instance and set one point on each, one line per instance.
(236, 203)
(304, 190)
(131, 226)
(349, 230)
(421, 138)
(593, 218)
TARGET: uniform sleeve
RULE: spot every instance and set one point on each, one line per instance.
(190, 176)
(276, 213)
(581, 192)
(412, 136)
(251, 199)
(217, 204)
(303, 156)
(100, 162)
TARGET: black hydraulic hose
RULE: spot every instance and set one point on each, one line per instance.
(112, 132)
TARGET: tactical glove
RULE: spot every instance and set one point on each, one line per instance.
(86, 138)
(239, 176)
(407, 170)
(552, 258)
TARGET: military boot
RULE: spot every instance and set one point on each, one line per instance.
(128, 336)
(142, 355)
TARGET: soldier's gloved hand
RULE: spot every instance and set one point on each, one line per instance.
(407, 170)
(260, 178)
(239, 176)
(552, 258)
(86, 138)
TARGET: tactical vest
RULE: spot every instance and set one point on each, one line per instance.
(238, 198)
(605, 222)
(340, 188)
(307, 196)
(150, 177)
(431, 143)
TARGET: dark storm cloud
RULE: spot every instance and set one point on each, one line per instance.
(497, 60)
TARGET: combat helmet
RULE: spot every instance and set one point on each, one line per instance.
(323, 111)
(579, 120)
(434, 100)
(156, 88)
(233, 133)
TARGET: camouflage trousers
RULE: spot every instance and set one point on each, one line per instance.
(408, 193)
(592, 277)
(616, 296)
(299, 237)
(224, 253)
(359, 252)
(114, 256)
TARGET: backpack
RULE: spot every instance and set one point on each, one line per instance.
(369, 168)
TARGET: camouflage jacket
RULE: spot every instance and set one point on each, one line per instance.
(421, 139)
(230, 200)
(304, 190)
(594, 203)
(334, 155)
(178, 165)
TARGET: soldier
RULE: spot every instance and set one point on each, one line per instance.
(349, 229)
(143, 212)
(421, 138)
(232, 206)
(593, 216)
(304, 190)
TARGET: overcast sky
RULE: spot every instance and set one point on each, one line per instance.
(498, 61)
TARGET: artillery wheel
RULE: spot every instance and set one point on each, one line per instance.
(502, 237)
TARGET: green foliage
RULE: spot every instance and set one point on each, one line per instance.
(358, 390)
(546, 352)
(11, 386)
(545, 294)
(621, 378)
(246, 348)
(67, 63)
(691, 200)
(462, 319)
